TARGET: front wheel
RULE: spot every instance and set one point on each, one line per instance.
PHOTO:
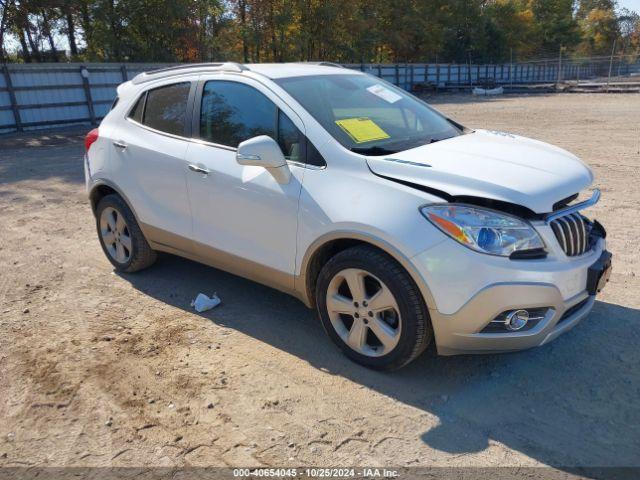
(372, 309)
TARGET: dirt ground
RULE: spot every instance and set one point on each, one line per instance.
(103, 369)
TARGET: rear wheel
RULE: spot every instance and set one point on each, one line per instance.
(120, 236)
(372, 309)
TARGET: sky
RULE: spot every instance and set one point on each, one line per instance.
(630, 4)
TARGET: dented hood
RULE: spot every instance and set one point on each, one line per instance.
(494, 165)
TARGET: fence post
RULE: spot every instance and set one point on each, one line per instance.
(123, 70)
(379, 71)
(12, 98)
(84, 73)
(559, 76)
(411, 81)
(397, 75)
(406, 76)
(511, 69)
(611, 63)
(437, 76)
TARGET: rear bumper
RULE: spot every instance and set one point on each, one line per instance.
(471, 289)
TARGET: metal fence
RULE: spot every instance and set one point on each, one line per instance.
(34, 96)
(457, 76)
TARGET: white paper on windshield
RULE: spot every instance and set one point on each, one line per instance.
(384, 93)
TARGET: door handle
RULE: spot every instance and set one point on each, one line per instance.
(120, 144)
(197, 169)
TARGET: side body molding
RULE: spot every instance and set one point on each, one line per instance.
(297, 285)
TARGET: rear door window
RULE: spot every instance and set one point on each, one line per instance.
(166, 108)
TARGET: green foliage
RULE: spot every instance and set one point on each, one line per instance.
(358, 31)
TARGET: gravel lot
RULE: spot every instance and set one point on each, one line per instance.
(102, 369)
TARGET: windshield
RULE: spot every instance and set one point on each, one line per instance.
(367, 115)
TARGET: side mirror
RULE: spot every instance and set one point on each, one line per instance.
(263, 151)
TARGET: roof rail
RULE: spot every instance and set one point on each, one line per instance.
(188, 68)
(331, 64)
(326, 64)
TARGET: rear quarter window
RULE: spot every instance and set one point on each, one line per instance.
(164, 108)
(136, 111)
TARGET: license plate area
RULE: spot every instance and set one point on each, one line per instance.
(599, 273)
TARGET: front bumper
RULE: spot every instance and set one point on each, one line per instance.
(459, 333)
(470, 289)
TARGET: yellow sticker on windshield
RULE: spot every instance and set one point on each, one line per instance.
(362, 130)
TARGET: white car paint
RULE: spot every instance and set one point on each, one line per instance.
(492, 165)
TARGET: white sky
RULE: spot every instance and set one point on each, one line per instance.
(630, 4)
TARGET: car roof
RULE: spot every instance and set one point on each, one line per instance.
(284, 70)
(270, 70)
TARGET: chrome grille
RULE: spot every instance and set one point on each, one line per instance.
(572, 232)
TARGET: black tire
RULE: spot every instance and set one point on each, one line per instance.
(141, 255)
(416, 332)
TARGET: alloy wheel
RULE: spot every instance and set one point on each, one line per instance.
(115, 235)
(363, 312)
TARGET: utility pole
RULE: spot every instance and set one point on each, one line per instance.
(611, 63)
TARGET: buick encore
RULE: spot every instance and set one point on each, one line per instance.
(400, 226)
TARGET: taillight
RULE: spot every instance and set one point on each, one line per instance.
(91, 137)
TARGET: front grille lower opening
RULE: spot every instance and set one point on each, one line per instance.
(572, 310)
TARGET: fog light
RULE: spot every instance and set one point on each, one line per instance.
(516, 320)
(519, 320)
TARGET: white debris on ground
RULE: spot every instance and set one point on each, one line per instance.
(488, 91)
(202, 303)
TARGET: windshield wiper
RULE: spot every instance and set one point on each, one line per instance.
(373, 150)
(377, 150)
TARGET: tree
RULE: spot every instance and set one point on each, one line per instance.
(67, 11)
(599, 27)
(360, 31)
(5, 6)
(555, 25)
(629, 24)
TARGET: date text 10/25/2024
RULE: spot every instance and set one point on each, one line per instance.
(316, 472)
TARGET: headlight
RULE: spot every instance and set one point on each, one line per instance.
(483, 230)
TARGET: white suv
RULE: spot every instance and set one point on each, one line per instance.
(399, 225)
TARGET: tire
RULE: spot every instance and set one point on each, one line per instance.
(129, 251)
(407, 327)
